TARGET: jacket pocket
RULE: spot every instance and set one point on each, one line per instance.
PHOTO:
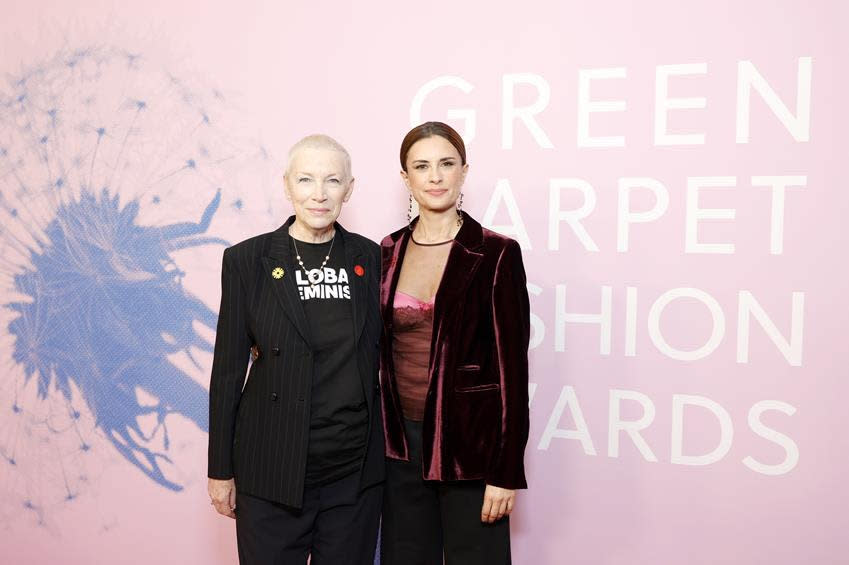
(472, 367)
(478, 388)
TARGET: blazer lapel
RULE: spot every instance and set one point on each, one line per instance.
(280, 257)
(463, 262)
(392, 250)
(358, 281)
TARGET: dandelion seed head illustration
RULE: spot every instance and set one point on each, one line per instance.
(109, 166)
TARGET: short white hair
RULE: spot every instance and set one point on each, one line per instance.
(319, 141)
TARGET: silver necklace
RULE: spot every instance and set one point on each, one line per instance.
(313, 275)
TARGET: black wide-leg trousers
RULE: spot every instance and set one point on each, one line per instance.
(423, 518)
(337, 525)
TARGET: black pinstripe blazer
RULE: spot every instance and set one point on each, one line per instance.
(259, 434)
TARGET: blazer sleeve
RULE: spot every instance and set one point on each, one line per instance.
(229, 363)
(511, 318)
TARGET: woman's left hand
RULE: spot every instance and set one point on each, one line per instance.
(497, 503)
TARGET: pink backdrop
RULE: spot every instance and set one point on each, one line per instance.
(689, 360)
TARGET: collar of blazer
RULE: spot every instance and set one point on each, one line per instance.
(280, 255)
(463, 261)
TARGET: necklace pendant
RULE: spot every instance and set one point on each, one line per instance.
(314, 276)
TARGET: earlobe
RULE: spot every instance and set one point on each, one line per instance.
(349, 192)
(286, 187)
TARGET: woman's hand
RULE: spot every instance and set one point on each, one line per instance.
(497, 503)
(223, 496)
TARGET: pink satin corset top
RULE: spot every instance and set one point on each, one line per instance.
(412, 329)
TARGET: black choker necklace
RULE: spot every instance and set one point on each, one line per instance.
(429, 244)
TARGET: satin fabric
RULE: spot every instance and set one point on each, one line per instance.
(475, 422)
(413, 328)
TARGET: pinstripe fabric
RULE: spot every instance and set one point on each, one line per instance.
(259, 433)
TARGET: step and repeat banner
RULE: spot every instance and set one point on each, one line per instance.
(674, 173)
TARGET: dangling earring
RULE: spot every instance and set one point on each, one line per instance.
(410, 214)
(460, 211)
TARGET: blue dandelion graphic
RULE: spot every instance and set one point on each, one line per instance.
(107, 308)
(109, 168)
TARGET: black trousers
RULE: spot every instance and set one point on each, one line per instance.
(338, 525)
(421, 519)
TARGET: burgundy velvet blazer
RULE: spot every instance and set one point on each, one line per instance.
(476, 410)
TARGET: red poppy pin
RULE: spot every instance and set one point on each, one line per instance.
(359, 270)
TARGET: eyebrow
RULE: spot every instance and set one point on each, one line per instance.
(300, 174)
(426, 161)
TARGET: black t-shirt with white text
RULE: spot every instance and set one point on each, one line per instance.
(338, 417)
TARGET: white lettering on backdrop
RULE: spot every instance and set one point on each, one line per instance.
(641, 202)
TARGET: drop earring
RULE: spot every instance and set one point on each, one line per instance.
(460, 211)
(410, 214)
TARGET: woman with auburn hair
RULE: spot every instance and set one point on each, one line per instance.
(454, 369)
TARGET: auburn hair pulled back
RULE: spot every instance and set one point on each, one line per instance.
(430, 129)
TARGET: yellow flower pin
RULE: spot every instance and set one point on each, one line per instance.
(278, 272)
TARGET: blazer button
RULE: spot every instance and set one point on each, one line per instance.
(274, 397)
(275, 351)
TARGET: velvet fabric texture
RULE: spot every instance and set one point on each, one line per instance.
(476, 419)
